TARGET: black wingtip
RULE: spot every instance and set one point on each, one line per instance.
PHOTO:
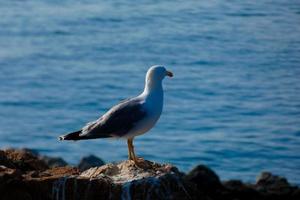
(71, 136)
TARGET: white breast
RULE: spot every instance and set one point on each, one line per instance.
(153, 104)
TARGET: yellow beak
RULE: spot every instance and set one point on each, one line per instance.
(169, 74)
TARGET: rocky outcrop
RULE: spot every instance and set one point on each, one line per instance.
(26, 175)
(204, 178)
(90, 161)
(148, 180)
(54, 161)
(23, 160)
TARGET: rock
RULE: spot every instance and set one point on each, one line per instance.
(204, 178)
(28, 180)
(148, 180)
(30, 159)
(271, 184)
(90, 161)
(14, 191)
(296, 194)
(127, 171)
(24, 176)
(4, 161)
(60, 172)
(31, 151)
(112, 181)
(25, 160)
(50, 161)
(54, 161)
(10, 172)
(236, 189)
(8, 179)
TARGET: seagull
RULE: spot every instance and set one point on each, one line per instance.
(131, 117)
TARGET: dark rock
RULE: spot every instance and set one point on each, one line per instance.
(8, 179)
(296, 194)
(90, 161)
(31, 151)
(236, 189)
(5, 171)
(204, 178)
(54, 161)
(15, 190)
(4, 161)
(234, 185)
(272, 184)
(50, 161)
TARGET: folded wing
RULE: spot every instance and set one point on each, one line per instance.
(118, 121)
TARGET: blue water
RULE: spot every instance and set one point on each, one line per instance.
(234, 103)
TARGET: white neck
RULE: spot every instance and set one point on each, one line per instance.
(154, 96)
(153, 87)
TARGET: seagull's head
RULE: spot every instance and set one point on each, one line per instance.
(157, 73)
(154, 77)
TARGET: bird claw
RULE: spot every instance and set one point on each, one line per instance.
(142, 163)
(139, 160)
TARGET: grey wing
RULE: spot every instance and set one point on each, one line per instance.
(118, 121)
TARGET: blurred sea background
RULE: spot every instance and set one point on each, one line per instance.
(234, 103)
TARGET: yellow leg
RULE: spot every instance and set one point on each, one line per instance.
(129, 143)
(131, 149)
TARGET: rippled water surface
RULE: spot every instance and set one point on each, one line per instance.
(234, 103)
